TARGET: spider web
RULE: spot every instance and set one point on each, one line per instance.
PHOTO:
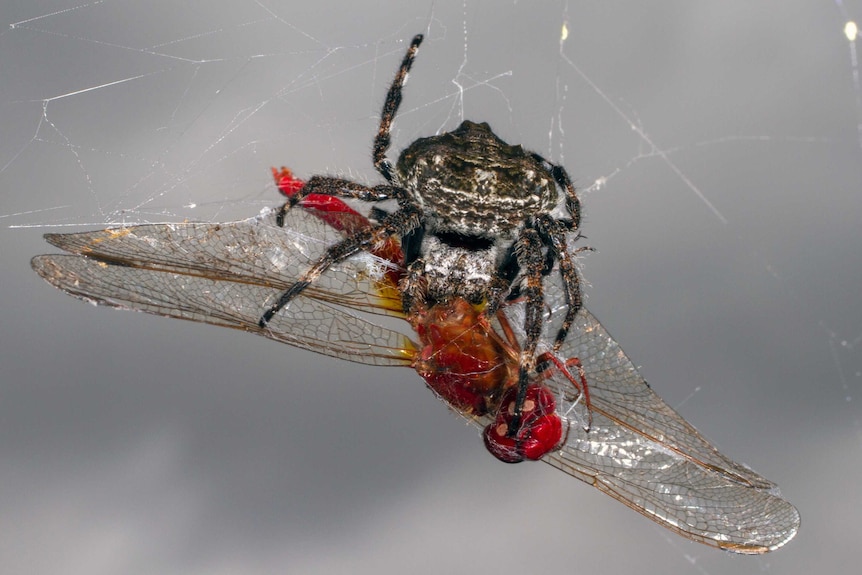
(717, 150)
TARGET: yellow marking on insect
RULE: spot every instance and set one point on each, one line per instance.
(409, 351)
(389, 296)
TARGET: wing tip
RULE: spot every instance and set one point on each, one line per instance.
(41, 264)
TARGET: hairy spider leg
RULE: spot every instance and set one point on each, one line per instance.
(390, 108)
(553, 232)
(316, 194)
(531, 261)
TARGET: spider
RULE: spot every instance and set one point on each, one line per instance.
(475, 221)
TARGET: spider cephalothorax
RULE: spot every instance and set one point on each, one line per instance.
(475, 220)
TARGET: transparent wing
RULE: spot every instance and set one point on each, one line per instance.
(228, 275)
(643, 453)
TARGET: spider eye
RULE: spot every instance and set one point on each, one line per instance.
(472, 243)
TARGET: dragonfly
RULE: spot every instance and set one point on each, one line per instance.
(608, 427)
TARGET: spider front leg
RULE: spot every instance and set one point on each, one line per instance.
(336, 188)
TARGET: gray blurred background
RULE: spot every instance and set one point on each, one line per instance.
(726, 135)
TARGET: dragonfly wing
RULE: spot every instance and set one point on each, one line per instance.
(255, 250)
(228, 275)
(620, 393)
(642, 452)
(676, 492)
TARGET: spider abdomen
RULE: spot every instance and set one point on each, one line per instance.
(471, 182)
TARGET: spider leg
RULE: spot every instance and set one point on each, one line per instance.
(413, 288)
(396, 224)
(347, 189)
(377, 214)
(497, 290)
(561, 176)
(390, 108)
(554, 234)
(338, 188)
(531, 262)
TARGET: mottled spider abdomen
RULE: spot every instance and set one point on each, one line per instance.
(470, 182)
